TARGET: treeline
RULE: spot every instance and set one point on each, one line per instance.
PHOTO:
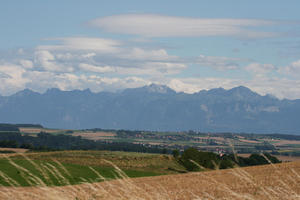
(194, 160)
(15, 127)
(287, 153)
(253, 135)
(46, 142)
(283, 136)
(9, 127)
(29, 125)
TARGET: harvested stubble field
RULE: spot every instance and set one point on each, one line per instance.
(280, 181)
(38, 130)
(100, 135)
(16, 150)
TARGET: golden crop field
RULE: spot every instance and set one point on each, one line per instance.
(17, 150)
(99, 135)
(34, 130)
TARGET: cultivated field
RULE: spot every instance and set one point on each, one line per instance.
(286, 145)
(285, 142)
(99, 135)
(34, 130)
(160, 164)
(74, 167)
(280, 181)
(16, 150)
(276, 144)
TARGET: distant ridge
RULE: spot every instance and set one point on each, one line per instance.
(15, 127)
(154, 107)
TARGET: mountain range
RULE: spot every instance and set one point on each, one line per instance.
(154, 107)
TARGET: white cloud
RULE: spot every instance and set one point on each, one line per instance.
(165, 67)
(148, 68)
(146, 55)
(192, 85)
(137, 71)
(100, 55)
(97, 69)
(84, 43)
(26, 64)
(293, 69)
(77, 66)
(184, 86)
(96, 83)
(89, 55)
(41, 81)
(12, 79)
(260, 69)
(71, 57)
(4, 75)
(279, 87)
(46, 61)
(218, 62)
(43, 57)
(65, 56)
(16, 77)
(169, 26)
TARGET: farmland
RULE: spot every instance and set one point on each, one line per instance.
(259, 182)
(90, 173)
(285, 145)
(157, 163)
(74, 167)
(222, 143)
(13, 150)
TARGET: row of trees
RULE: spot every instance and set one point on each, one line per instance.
(15, 127)
(8, 127)
(194, 160)
(46, 141)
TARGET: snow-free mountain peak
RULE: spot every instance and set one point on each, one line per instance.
(158, 88)
(154, 107)
(25, 92)
(152, 88)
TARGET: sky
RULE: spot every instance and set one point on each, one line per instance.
(187, 45)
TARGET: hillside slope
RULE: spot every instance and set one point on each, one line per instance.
(280, 181)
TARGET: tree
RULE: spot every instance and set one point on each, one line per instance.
(189, 159)
(175, 153)
(164, 151)
(194, 160)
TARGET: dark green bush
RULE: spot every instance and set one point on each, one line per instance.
(203, 159)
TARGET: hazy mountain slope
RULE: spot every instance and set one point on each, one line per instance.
(154, 107)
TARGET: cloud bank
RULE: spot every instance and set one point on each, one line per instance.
(105, 64)
(169, 26)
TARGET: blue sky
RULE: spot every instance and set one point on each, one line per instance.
(112, 45)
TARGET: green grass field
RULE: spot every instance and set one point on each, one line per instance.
(157, 163)
(74, 167)
(23, 172)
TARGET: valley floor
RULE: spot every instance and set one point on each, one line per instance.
(280, 181)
